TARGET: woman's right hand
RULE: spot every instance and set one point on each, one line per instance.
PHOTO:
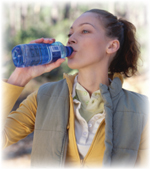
(21, 76)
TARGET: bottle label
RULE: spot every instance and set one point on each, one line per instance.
(55, 48)
(55, 52)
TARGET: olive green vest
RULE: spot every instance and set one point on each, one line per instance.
(126, 116)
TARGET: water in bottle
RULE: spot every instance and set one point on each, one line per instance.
(25, 55)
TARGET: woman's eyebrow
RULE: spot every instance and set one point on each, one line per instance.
(83, 24)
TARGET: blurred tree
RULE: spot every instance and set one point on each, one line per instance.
(25, 22)
(67, 11)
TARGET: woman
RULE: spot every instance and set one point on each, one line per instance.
(86, 119)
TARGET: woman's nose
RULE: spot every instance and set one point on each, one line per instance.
(72, 40)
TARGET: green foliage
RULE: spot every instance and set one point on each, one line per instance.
(58, 31)
(34, 21)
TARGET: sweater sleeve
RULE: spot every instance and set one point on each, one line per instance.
(20, 123)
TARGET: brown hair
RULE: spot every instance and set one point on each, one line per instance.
(125, 60)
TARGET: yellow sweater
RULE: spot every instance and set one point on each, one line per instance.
(18, 124)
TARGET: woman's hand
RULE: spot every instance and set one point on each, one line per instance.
(21, 76)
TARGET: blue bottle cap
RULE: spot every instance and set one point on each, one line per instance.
(69, 50)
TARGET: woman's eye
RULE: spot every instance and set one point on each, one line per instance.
(69, 35)
(85, 31)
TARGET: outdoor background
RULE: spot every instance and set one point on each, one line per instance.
(23, 22)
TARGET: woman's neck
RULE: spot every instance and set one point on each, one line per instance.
(90, 80)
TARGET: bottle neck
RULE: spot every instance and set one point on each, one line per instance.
(69, 50)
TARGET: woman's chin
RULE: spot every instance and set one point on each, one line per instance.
(72, 65)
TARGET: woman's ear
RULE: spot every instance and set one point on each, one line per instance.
(113, 46)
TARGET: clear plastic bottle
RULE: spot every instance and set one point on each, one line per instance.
(25, 55)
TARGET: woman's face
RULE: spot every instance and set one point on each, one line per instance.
(88, 39)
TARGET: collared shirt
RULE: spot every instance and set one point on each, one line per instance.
(86, 128)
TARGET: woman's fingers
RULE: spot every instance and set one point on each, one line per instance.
(49, 40)
(43, 40)
(37, 40)
(53, 65)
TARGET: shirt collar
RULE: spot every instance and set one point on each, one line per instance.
(74, 86)
(77, 86)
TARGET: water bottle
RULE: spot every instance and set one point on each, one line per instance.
(25, 55)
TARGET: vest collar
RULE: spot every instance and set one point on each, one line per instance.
(115, 87)
(70, 81)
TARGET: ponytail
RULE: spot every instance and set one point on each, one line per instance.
(125, 60)
(127, 56)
